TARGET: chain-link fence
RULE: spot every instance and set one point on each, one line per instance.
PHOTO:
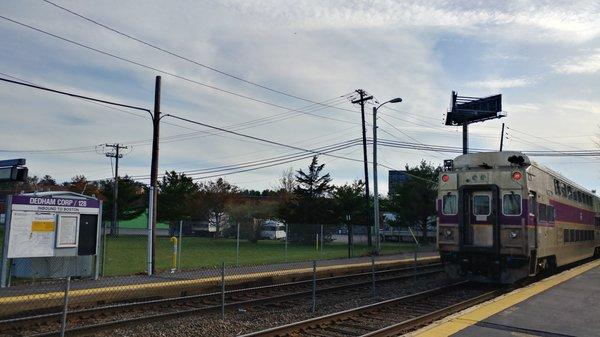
(213, 288)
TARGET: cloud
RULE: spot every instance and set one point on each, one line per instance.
(501, 83)
(583, 65)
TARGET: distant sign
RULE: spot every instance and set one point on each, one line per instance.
(466, 110)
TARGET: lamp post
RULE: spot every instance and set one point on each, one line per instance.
(375, 192)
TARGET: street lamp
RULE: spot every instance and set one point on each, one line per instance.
(375, 192)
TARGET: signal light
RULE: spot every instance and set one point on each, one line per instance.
(517, 176)
(445, 178)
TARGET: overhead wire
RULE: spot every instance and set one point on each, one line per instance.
(162, 71)
(187, 59)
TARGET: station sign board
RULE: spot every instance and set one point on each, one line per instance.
(42, 226)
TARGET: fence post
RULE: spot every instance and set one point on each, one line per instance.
(237, 246)
(286, 242)
(373, 275)
(179, 247)
(314, 287)
(222, 290)
(63, 324)
(416, 253)
(322, 239)
(103, 246)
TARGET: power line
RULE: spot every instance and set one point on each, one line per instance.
(272, 142)
(175, 54)
(74, 95)
(170, 73)
(264, 120)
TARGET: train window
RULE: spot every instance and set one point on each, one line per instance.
(566, 237)
(550, 213)
(563, 189)
(572, 236)
(450, 204)
(569, 192)
(556, 187)
(481, 204)
(511, 204)
(543, 216)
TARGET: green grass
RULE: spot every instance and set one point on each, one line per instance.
(127, 254)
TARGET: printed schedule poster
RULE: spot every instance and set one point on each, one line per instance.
(67, 233)
(31, 234)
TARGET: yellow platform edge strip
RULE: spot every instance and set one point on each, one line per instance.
(192, 282)
(473, 316)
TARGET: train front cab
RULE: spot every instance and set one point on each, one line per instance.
(484, 236)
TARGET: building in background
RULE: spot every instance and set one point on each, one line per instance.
(396, 178)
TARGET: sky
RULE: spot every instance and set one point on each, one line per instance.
(542, 56)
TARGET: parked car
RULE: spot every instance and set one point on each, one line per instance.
(273, 230)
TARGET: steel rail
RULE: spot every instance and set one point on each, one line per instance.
(27, 321)
(413, 323)
(339, 316)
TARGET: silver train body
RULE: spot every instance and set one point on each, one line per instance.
(502, 218)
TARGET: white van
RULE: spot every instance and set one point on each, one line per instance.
(273, 230)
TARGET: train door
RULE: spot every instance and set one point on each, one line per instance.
(532, 232)
(480, 213)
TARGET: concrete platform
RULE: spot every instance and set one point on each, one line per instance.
(567, 304)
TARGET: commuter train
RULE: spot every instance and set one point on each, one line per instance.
(502, 217)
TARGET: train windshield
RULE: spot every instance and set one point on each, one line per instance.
(450, 204)
(481, 204)
(511, 204)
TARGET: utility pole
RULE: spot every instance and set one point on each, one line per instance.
(116, 147)
(375, 191)
(502, 138)
(154, 171)
(363, 98)
(465, 137)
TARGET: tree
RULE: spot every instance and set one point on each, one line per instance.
(131, 201)
(176, 195)
(216, 195)
(312, 185)
(287, 181)
(80, 184)
(413, 201)
(250, 217)
(47, 182)
(309, 205)
(349, 200)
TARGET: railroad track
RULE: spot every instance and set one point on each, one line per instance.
(88, 320)
(391, 317)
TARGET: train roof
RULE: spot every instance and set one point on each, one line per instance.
(491, 160)
(500, 159)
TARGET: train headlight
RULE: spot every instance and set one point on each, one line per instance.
(447, 234)
(514, 234)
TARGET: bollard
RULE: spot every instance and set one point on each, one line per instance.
(314, 287)
(317, 243)
(373, 275)
(174, 255)
(222, 290)
(63, 323)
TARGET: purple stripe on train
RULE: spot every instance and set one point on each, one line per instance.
(563, 213)
(567, 213)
